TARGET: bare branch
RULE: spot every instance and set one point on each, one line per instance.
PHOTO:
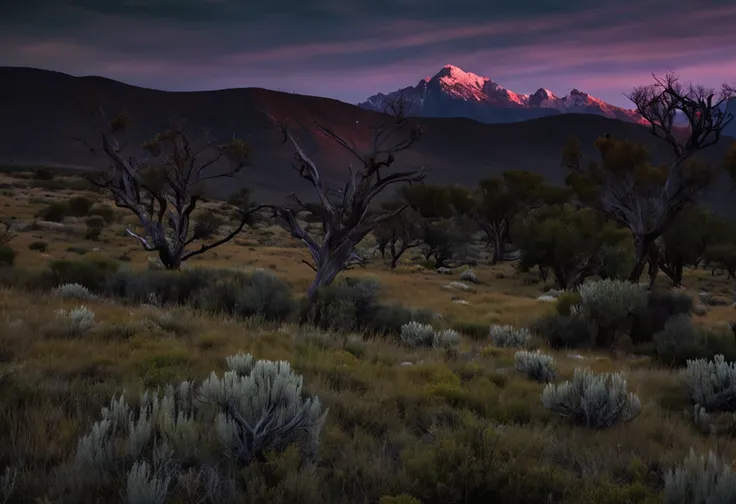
(345, 218)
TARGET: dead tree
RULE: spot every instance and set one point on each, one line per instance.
(643, 198)
(345, 213)
(164, 192)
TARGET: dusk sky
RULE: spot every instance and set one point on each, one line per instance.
(351, 49)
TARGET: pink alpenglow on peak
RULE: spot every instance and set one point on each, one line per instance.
(453, 92)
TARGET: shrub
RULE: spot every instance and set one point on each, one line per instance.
(678, 341)
(711, 384)
(78, 206)
(567, 302)
(348, 305)
(509, 336)
(105, 211)
(661, 306)
(446, 338)
(95, 224)
(535, 365)
(38, 246)
(73, 291)
(7, 255)
(616, 262)
(389, 317)
(255, 408)
(145, 487)
(700, 480)
(564, 332)
(55, 212)
(77, 321)
(256, 293)
(415, 334)
(91, 273)
(596, 401)
(474, 330)
(609, 302)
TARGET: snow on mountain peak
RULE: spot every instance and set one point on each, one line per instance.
(452, 84)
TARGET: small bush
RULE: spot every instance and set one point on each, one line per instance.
(616, 262)
(199, 423)
(446, 338)
(597, 401)
(609, 302)
(257, 293)
(711, 384)
(348, 305)
(564, 332)
(535, 365)
(77, 321)
(661, 306)
(678, 341)
(7, 255)
(78, 206)
(506, 336)
(95, 225)
(73, 291)
(415, 334)
(105, 211)
(700, 480)
(91, 273)
(177, 287)
(567, 302)
(55, 212)
(38, 246)
(388, 318)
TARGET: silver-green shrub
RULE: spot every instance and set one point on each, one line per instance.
(535, 365)
(593, 400)
(145, 487)
(79, 320)
(711, 384)
(610, 301)
(415, 334)
(446, 338)
(256, 406)
(509, 336)
(73, 291)
(700, 480)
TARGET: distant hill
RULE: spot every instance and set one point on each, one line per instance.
(453, 92)
(40, 117)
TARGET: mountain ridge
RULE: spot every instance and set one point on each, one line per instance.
(40, 121)
(453, 92)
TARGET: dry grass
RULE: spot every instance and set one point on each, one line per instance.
(447, 429)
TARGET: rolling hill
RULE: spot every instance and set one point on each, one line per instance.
(40, 116)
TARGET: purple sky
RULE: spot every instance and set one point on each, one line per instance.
(350, 50)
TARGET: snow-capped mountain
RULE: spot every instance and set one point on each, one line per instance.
(452, 92)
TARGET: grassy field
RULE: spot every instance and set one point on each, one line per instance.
(453, 427)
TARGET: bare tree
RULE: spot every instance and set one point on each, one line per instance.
(345, 213)
(641, 197)
(400, 233)
(164, 193)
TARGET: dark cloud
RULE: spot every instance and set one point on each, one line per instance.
(350, 50)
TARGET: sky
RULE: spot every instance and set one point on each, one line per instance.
(352, 49)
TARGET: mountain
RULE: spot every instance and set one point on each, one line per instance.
(41, 118)
(453, 92)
